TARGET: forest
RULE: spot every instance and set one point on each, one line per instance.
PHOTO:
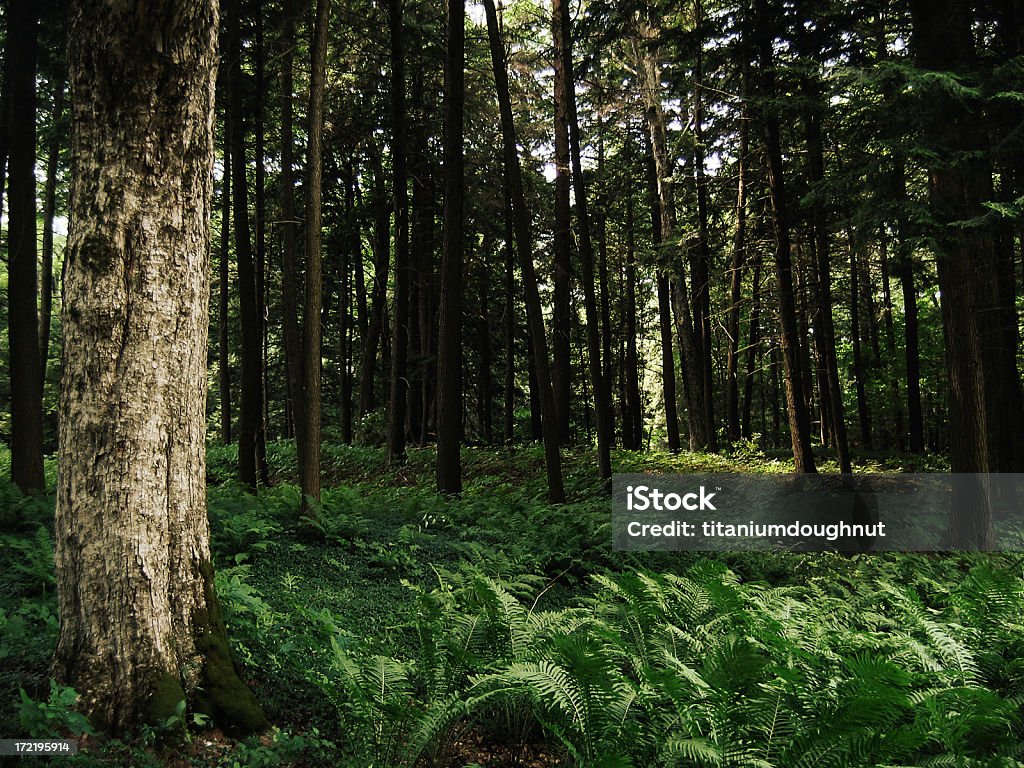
(329, 323)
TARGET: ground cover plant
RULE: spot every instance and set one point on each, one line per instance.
(405, 629)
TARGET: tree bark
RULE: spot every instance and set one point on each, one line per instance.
(312, 335)
(863, 413)
(960, 182)
(223, 351)
(601, 386)
(739, 245)
(140, 626)
(49, 212)
(633, 421)
(378, 300)
(248, 301)
(799, 423)
(398, 407)
(535, 318)
(22, 289)
(449, 353)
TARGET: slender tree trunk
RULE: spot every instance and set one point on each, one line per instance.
(22, 290)
(668, 368)
(449, 353)
(312, 335)
(248, 305)
(690, 360)
(753, 341)
(799, 423)
(510, 320)
(398, 408)
(632, 437)
(739, 245)
(535, 318)
(823, 275)
(601, 387)
(259, 221)
(858, 355)
(350, 253)
(702, 274)
(381, 264)
(289, 228)
(915, 419)
(49, 212)
(561, 370)
(223, 351)
(140, 625)
(890, 342)
(484, 343)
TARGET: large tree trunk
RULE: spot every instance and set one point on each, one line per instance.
(23, 322)
(534, 315)
(449, 352)
(399, 162)
(601, 386)
(799, 423)
(312, 336)
(140, 626)
(960, 183)
(248, 302)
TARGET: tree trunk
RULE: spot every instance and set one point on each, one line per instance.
(378, 301)
(960, 182)
(561, 347)
(823, 275)
(739, 245)
(351, 253)
(753, 341)
(289, 227)
(140, 626)
(223, 352)
(632, 434)
(449, 353)
(858, 355)
(534, 315)
(510, 321)
(23, 321)
(398, 401)
(690, 359)
(915, 419)
(312, 335)
(799, 423)
(252, 375)
(601, 387)
(49, 212)
(259, 222)
(668, 368)
(702, 273)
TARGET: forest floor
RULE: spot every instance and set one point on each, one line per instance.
(499, 630)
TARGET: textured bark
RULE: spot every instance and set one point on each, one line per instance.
(601, 386)
(561, 347)
(250, 417)
(398, 401)
(668, 370)
(23, 322)
(690, 359)
(140, 627)
(289, 224)
(799, 423)
(960, 182)
(823, 275)
(311, 331)
(534, 316)
(449, 351)
(49, 211)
